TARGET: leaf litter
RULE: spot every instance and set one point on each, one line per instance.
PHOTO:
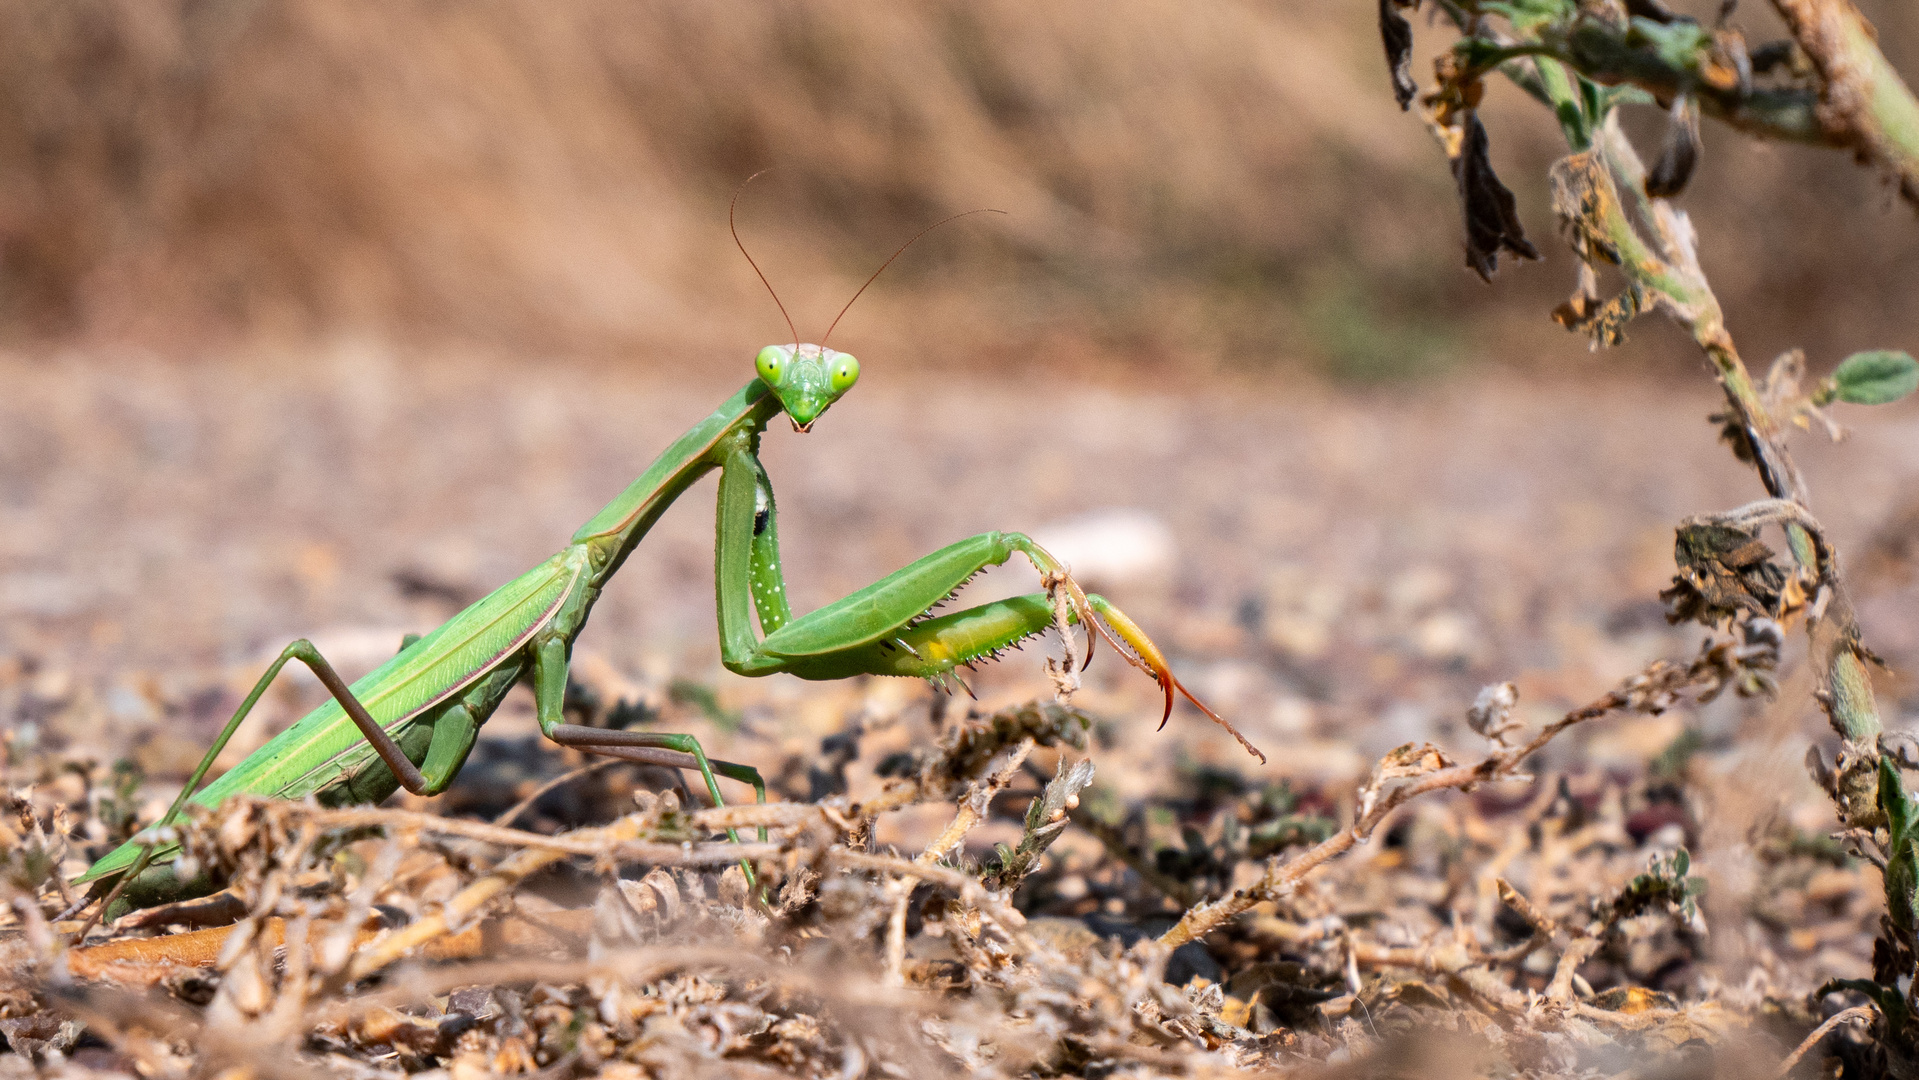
(1550, 925)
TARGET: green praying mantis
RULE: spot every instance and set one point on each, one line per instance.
(412, 722)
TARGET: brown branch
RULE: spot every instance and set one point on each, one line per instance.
(1864, 104)
(1843, 1016)
(1651, 691)
(615, 841)
(973, 805)
(1652, 242)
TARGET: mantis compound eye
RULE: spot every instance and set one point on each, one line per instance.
(771, 364)
(846, 372)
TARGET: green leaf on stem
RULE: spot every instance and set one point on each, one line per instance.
(1875, 378)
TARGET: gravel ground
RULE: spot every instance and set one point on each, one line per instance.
(1338, 572)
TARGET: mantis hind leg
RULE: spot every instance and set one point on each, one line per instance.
(305, 652)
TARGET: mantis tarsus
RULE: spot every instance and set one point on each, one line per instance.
(412, 721)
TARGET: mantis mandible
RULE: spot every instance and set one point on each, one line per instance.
(413, 720)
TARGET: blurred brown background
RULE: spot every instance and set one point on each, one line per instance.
(321, 317)
(1215, 186)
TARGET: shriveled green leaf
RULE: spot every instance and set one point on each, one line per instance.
(1892, 1004)
(1681, 44)
(1666, 883)
(1045, 821)
(1902, 853)
(1875, 378)
(1894, 800)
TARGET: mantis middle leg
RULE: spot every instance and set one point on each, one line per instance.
(652, 748)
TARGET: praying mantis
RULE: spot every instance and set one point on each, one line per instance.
(412, 721)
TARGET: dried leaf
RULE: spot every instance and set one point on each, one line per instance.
(1397, 34)
(1586, 202)
(1724, 571)
(1667, 883)
(1492, 217)
(1491, 714)
(1412, 759)
(1679, 155)
(1588, 207)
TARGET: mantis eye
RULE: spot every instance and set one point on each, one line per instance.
(846, 372)
(771, 362)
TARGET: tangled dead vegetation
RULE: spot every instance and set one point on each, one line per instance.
(1544, 924)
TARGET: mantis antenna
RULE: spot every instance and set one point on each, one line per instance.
(889, 262)
(730, 208)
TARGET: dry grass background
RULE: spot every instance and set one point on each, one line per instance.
(1222, 185)
(318, 315)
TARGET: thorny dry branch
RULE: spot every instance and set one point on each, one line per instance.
(314, 963)
(1425, 769)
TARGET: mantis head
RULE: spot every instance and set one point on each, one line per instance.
(808, 379)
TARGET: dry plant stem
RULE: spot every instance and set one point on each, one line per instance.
(996, 910)
(1865, 104)
(979, 796)
(1543, 927)
(900, 890)
(613, 841)
(561, 780)
(283, 1022)
(1065, 671)
(143, 961)
(42, 943)
(1673, 272)
(1282, 877)
(594, 842)
(1863, 1013)
(1445, 960)
(1578, 952)
(597, 843)
(1462, 968)
(972, 810)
